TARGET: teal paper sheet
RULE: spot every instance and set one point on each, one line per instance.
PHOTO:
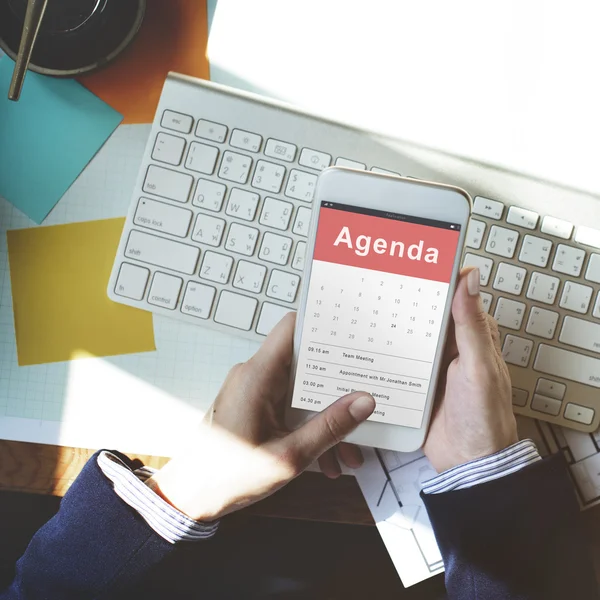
(47, 138)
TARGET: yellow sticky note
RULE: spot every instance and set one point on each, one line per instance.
(59, 276)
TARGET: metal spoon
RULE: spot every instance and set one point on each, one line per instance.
(33, 20)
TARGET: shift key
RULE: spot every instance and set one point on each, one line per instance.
(570, 365)
(161, 252)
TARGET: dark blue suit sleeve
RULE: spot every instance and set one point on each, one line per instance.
(94, 547)
(517, 537)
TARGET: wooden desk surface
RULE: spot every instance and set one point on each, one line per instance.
(43, 469)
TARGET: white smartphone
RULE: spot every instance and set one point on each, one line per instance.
(382, 262)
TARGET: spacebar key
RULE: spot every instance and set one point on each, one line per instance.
(570, 365)
(162, 252)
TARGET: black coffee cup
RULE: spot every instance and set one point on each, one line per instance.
(75, 36)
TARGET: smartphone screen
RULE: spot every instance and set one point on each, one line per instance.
(373, 317)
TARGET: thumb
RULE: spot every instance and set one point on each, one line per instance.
(471, 329)
(328, 428)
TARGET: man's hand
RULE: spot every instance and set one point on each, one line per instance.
(243, 452)
(473, 416)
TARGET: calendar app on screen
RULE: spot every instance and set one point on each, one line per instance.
(377, 292)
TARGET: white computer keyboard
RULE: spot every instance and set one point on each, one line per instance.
(216, 236)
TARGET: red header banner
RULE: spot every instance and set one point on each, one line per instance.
(386, 245)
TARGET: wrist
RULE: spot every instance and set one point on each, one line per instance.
(455, 455)
(177, 491)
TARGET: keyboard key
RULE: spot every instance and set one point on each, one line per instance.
(168, 148)
(249, 276)
(201, 158)
(551, 389)
(268, 176)
(588, 236)
(176, 121)
(209, 195)
(314, 159)
(208, 230)
(596, 311)
(198, 300)
(568, 365)
(543, 288)
(486, 301)
(535, 251)
(568, 260)
(165, 290)
(509, 313)
(216, 267)
(576, 297)
(244, 140)
(281, 150)
(509, 278)
(276, 213)
(302, 221)
(492, 209)
(502, 241)
(235, 167)
(162, 217)
(168, 184)
(522, 217)
(275, 248)
(301, 185)
(162, 252)
(384, 172)
(580, 333)
(557, 227)
(270, 315)
(236, 310)
(592, 272)
(132, 281)
(211, 131)
(242, 239)
(542, 322)
(475, 232)
(299, 254)
(517, 350)
(543, 404)
(519, 397)
(484, 264)
(242, 204)
(351, 164)
(579, 414)
(283, 286)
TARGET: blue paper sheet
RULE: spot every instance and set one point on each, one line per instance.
(47, 138)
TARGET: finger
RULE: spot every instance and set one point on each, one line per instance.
(350, 455)
(472, 332)
(329, 464)
(326, 429)
(278, 347)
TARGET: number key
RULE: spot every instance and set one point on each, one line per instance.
(301, 185)
(235, 167)
(502, 241)
(568, 260)
(268, 176)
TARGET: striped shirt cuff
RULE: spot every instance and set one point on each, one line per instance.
(484, 469)
(171, 524)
